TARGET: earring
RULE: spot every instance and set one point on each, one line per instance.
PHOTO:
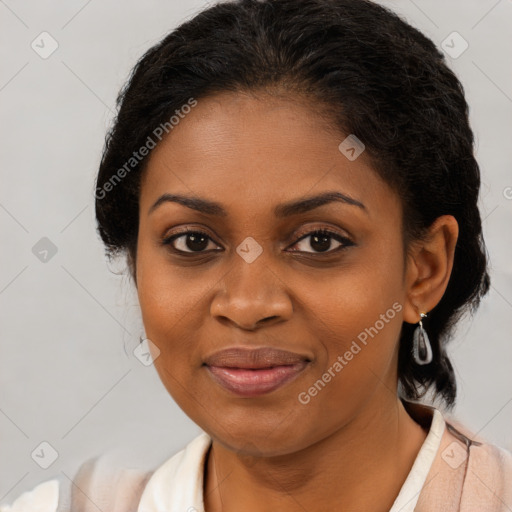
(422, 351)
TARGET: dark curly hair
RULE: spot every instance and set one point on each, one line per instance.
(374, 75)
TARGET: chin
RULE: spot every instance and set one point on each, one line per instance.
(258, 435)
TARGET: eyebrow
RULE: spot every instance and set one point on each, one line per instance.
(295, 207)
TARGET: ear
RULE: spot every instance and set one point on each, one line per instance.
(429, 266)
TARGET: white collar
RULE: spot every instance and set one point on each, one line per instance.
(177, 485)
(410, 492)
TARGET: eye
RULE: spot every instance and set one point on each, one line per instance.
(188, 241)
(196, 241)
(321, 240)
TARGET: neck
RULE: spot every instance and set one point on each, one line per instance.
(362, 465)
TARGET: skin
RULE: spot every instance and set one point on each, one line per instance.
(353, 442)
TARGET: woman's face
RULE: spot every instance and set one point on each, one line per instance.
(260, 277)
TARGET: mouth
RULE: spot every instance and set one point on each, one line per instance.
(254, 372)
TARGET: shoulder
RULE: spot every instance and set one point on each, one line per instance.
(44, 497)
(479, 449)
(99, 484)
(468, 472)
(104, 483)
(487, 478)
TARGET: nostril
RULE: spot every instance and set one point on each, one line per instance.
(268, 318)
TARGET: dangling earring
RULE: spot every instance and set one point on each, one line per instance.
(422, 351)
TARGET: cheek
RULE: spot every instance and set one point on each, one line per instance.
(356, 318)
(167, 293)
(173, 307)
(167, 307)
(352, 298)
(171, 302)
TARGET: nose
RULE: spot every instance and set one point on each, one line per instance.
(251, 295)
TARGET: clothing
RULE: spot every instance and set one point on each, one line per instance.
(453, 471)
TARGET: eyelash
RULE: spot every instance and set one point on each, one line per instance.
(346, 242)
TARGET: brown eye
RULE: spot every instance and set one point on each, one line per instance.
(188, 241)
(321, 241)
(197, 242)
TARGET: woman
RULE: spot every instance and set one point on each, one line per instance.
(294, 186)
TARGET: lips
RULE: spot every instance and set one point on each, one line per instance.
(253, 372)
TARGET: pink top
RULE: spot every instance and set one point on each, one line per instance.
(453, 471)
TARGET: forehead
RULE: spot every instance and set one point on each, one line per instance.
(258, 150)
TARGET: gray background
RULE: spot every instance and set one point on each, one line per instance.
(69, 325)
